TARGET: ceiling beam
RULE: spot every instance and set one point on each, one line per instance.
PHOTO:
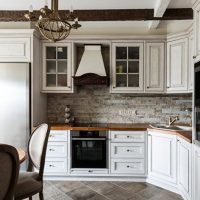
(109, 15)
(159, 11)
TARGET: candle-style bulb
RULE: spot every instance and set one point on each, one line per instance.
(76, 19)
(30, 8)
(71, 9)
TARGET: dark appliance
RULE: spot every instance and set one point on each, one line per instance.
(197, 84)
(89, 150)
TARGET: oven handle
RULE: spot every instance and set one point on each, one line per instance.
(88, 139)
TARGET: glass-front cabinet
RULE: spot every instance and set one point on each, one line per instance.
(127, 67)
(57, 68)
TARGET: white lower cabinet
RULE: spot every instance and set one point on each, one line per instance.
(127, 153)
(184, 167)
(196, 172)
(162, 159)
(56, 155)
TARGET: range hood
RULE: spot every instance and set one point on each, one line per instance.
(91, 70)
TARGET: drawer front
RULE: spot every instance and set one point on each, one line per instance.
(88, 171)
(58, 136)
(128, 136)
(127, 150)
(127, 166)
(55, 166)
(57, 149)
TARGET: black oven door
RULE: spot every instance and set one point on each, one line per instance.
(88, 152)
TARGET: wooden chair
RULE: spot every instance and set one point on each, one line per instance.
(9, 171)
(31, 183)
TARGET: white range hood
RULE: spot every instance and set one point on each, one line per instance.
(91, 62)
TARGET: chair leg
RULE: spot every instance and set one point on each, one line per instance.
(41, 196)
(30, 198)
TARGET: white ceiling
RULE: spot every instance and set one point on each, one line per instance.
(91, 4)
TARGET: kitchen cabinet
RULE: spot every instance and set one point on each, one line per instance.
(57, 68)
(56, 154)
(191, 62)
(127, 67)
(196, 8)
(162, 158)
(184, 167)
(155, 67)
(177, 65)
(196, 172)
(128, 153)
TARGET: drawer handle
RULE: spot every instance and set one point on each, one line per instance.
(128, 166)
(128, 150)
(128, 136)
(51, 135)
(51, 149)
(51, 166)
(90, 171)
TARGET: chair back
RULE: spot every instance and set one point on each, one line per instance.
(9, 171)
(37, 147)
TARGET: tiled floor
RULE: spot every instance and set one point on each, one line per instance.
(75, 190)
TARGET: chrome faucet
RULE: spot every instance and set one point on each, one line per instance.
(173, 119)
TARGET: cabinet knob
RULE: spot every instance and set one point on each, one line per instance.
(168, 87)
(114, 86)
(51, 166)
(127, 150)
(194, 57)
(90, 171)
(147, 87)
(128, 136)
(128, 166)
(51, 135)
(51, 149)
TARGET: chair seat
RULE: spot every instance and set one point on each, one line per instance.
(27, 185)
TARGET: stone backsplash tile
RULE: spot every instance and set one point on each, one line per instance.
(94, 104)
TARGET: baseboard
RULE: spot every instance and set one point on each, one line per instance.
(172, 187)
(68, 178)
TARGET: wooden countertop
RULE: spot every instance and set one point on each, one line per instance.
(186, 135)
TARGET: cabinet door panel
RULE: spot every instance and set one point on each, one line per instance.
(162, 156)
(155, 63)
(184, 167)
(177, 64)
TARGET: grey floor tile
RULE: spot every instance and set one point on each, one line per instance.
(101, 187)
(149, 192)
(119, 194)
(67, 186)
(132, 187)
(82, 193)
(98, 197)
(164, 196)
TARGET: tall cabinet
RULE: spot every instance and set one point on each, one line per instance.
(127, 67)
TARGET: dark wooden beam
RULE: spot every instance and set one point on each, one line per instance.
(108, 15)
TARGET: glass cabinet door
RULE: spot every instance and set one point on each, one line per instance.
(57, 69)
(128, 66)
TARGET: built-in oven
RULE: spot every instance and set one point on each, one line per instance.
(89, 149)
(197, 123)
(197, 84)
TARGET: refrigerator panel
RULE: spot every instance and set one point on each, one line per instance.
(14, 104)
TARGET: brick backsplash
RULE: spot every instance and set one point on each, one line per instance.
(94, 104)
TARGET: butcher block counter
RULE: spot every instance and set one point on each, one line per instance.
(186, 135)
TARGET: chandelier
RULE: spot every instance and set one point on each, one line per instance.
(50, 24)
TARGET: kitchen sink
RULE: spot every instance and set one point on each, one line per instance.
(171, 128)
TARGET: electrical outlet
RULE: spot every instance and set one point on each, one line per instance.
(127, 112)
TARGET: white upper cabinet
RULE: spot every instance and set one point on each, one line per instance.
(155, 67)
(57, 68)
(196, 9)
(177, 65)
(127, 67)
(191, 62)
